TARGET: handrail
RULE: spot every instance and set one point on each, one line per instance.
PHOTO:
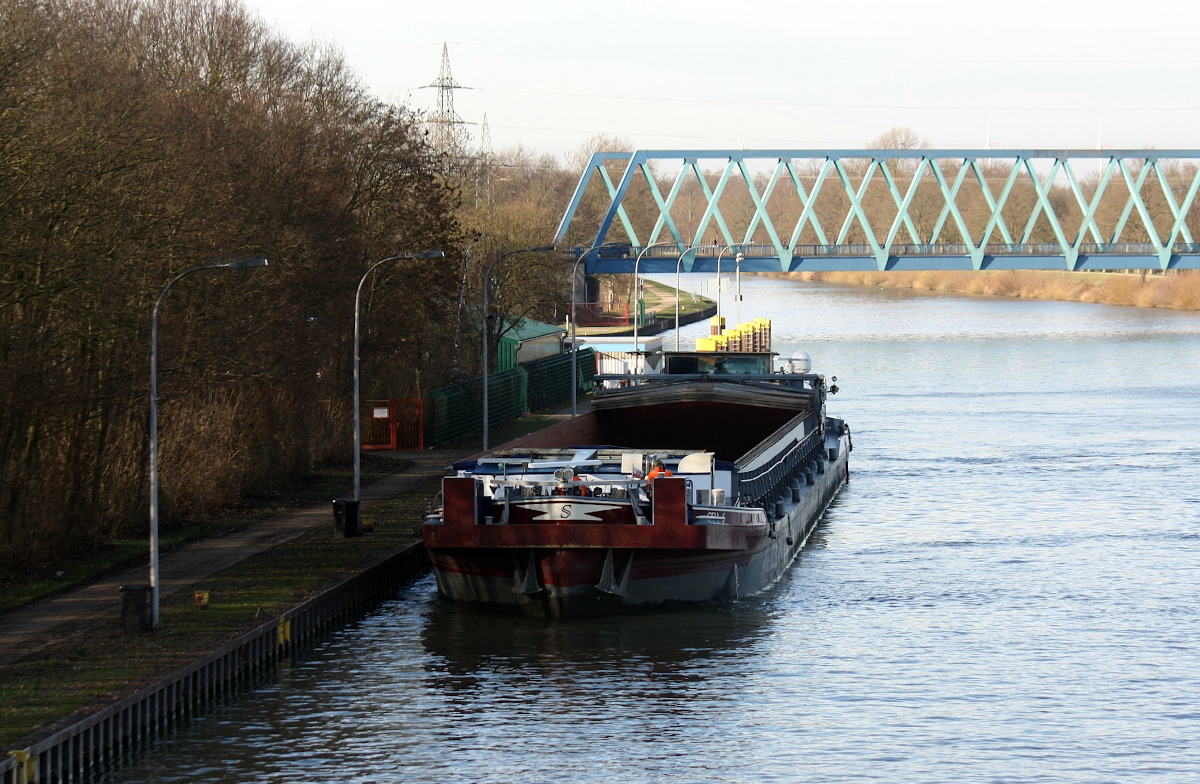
(708, 376)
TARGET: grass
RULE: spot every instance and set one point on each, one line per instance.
(82, 674)
(1179, 291)
(24, 587)
(660, 298)
(90, 670)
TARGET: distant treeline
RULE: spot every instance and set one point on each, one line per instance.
(138, 139)
(1179, 289)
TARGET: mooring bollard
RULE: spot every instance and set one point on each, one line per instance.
(135, 607)
(346, 521)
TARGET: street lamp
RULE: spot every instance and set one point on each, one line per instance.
(433, 254)
(637, 310)
(737, 276)
(721, 326)
(679, 264)
(487, 277)
(575, 343)
(154, 575)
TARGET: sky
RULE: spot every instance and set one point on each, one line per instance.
(1025, 74)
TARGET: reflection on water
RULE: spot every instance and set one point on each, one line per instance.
(1006, 591)
(616, 666)
(465, 641)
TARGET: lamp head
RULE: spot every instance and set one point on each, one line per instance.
(430, 254)
(542, 249)
(246, 263)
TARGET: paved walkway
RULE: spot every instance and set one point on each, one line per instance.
(27, 630)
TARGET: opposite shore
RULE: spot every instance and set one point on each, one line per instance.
(1176, 290)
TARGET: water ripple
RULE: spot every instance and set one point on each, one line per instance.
(1005, 592)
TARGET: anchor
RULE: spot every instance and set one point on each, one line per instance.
(525, 582)
(608, 583)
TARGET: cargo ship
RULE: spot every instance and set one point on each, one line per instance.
(698, 480)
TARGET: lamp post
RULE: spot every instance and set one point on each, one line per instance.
(154, 573)
(487, 277)
(636, 310)
(574, 343)
(720, 326)
(433, 254)
(737, 276)
(679, 264)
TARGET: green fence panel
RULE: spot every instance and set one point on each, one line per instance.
(455, 412)
(550, 378)
(586, 376)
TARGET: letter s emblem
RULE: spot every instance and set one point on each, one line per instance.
(566, 512)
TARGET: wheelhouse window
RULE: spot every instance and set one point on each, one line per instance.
(719, 364)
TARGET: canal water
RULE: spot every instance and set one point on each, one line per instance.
(1006, 591)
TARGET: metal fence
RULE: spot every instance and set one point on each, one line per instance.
(456, 412)
(601, 314)
(550, 378)
(103, 741)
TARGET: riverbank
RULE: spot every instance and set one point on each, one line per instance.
(1176, 290)
(81, 670)
(82, 662)
(660, 308)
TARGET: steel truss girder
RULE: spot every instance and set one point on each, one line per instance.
(882, 248)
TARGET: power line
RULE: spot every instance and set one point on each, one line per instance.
(593, 131)
(674, 54)
(819, 105)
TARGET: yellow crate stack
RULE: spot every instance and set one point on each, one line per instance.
(747, 336)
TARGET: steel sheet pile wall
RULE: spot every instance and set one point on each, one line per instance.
(113, 735)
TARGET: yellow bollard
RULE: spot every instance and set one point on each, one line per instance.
(201, 600)
(284, 630)
(26, 771)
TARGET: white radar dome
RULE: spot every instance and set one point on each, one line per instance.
(799, 362)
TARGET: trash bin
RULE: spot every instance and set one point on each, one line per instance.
(346, 522)
(135, 608)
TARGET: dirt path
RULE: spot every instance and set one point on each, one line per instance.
(25, 631)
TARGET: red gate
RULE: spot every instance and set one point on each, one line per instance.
(393, 424)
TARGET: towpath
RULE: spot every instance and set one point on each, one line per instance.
(25, 631)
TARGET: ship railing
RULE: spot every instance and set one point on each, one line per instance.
(543, 488)
(780, 376)
(623, 380)
(500, 488)
(540, 485)
(554, 483)
(757, 486)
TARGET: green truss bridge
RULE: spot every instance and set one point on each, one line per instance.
(788, 210)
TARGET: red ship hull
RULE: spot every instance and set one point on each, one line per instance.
(559, 569)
